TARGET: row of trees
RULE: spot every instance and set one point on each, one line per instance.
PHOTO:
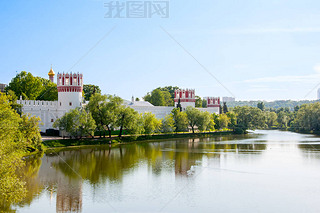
(18, 135)
(106, 113)
(36, 88)
(307, 118)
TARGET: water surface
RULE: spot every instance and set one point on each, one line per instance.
(268, 171)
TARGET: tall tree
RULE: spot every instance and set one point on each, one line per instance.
(17, 136)
(104, 110)
(161, 96)
(204, 122)
(225, 107)
(76, 122)
(193, 116)
(89, 90)
(25, 84)
(129, 119)
(261, 106)
(249, 117)
(198, 102)
(168, 124)
(150, 123)
(180, 120)
(33, 88)
(49, 90)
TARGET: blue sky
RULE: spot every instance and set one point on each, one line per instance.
(258, 50)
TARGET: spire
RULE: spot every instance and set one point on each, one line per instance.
(51, 74)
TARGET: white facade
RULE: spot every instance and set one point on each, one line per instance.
(318, 94)
(69, 97)
(228, 99)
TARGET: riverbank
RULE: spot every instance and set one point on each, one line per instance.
(57, 143)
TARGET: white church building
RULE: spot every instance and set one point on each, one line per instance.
(70, 86)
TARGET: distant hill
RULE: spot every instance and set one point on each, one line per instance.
(273, 104)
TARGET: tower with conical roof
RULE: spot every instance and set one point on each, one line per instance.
(51, 75)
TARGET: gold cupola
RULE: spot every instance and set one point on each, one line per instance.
(51, 72)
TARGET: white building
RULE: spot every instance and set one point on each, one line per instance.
(69, 86)
(228, 99)
(318, 94)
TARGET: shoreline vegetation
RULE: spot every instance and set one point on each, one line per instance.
(114, 140)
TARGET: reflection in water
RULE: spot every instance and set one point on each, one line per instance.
(61, 175)
(255, 172)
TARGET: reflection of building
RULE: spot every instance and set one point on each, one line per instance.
(68, 187)
(2, 87)
(69, 197)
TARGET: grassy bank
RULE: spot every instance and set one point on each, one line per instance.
(126, 139)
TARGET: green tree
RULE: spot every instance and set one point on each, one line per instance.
(225, 108)
(162, 96)
(25, 84)
(168, 124)
(224, 121)
(170, 89)
(271, 119)
(215, 118)
(249, 117)
(33, 88)
(307, 118)
(198, 102)
(233, 120)
(13, 101)
(49, 90)
(193, 116)
(180, 120)
(76, 122)
(89, 90)
(204, 103)
(150, 123)
(17, 135)
(282, 120)
(104, 110)
(204, 122)
(128, 119)
(261, 106)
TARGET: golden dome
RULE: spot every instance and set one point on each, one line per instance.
(51, 72)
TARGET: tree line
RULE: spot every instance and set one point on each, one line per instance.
(106, 113)
(19, 135)
(36, 88)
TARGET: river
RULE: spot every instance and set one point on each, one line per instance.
(265, 171)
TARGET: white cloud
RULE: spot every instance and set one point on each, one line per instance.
(310, 78)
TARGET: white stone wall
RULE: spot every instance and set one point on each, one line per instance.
(67, 98)
(211, 110)
(47, 111)
(159, 111)
(184, 105)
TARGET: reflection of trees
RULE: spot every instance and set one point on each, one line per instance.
(30, 176)
(310, 150)
(63, 174)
